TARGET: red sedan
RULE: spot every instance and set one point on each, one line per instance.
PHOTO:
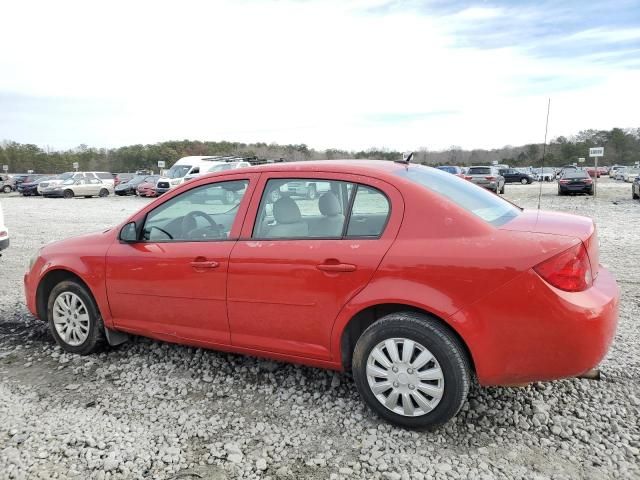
(148, 187)
(414, 279)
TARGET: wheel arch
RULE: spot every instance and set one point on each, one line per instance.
(49, 281)
(367, 316)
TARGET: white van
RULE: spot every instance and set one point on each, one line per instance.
(184, 169)
(219, 166)
(4, 232)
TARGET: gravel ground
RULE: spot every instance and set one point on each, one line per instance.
(153, 410)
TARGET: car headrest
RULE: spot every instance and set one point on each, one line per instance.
(285, 210)
(329, 205)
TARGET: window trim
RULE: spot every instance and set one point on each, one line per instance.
(345, 227)
(140, 238)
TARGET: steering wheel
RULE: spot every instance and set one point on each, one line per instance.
(189, 222)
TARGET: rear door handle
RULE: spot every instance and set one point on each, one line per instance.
(336, 267)
(197, 264)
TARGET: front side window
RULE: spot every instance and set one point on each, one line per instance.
(204, 213)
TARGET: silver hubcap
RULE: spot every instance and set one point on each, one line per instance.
(71, 318)
(405, 377)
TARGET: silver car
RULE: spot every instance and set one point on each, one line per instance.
(79, 187)
(487, 177)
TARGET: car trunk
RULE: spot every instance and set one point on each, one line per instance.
(557, 223)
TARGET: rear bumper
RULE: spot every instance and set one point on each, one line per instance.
(530, 331)
(577, 189)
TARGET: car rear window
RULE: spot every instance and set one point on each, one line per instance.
(489, 207)
(479, 171)
(575, 174)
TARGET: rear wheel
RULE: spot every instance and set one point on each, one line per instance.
(411, 370)
(68, 194)
(6, 189)
(502, 189)
(104, 192)
(634, 195)
(74, 320)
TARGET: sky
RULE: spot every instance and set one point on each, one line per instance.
(349, 74)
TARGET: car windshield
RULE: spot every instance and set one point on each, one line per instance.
(479, 171)
(65, 176)
(178, 171)
(482, 203)
(69, 181)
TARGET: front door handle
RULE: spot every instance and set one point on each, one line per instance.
(336, 267)
(202, 263)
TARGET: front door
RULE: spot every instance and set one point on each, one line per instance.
(303, 260)
(172, 282)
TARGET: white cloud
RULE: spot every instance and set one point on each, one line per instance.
(291, 72)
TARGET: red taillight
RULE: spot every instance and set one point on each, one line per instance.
(569, 270)
(588, 181)
(467, 177)
(490, 178)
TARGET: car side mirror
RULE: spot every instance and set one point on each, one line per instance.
(129, 233)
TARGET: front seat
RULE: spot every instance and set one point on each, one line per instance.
(332, 221)
(289, 223)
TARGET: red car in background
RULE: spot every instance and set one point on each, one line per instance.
(414, 279)
(148, 187)
(592, 172)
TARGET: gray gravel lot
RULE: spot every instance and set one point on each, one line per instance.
(153, 410)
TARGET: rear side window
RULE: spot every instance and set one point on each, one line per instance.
(482, 203)
(369, 214)
(105, 176)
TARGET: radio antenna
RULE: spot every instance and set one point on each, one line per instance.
(544, 152)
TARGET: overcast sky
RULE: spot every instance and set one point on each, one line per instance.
(349, 74)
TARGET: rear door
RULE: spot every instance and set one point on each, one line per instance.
(290, 275)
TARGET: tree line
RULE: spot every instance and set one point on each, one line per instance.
(622, 146)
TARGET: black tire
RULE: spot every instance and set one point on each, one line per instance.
(312, 192)
(524, 181)
(103, 193)
(634, 195)
(502, 189)
(68, 194)
(95, 340)
(445, 347)
(6, 189)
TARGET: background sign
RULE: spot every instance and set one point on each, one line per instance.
(596, 152)
(5, 168)
(29, 171)
(161, 164)
(75, 165)
(581, 159)
(494, 162)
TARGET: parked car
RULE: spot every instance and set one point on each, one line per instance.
(183, 170)
(130, 186)
(612, 170)
(30, 186)
(148, 187)
(285, 280)
(630, 174)
(604, 170)
(576, 181)
(545, 174)
(105, 177)
(4, 232)
(593, 173)
(619, 173)
(452, 169)
(512, 175)
(487, 177)
(635, 188)
(122, 178)
(79, 187)
(7, 183)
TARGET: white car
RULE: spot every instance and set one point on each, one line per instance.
(619, 175)
(106, 178)
(4, 232)
(630, 174)
(545, 174)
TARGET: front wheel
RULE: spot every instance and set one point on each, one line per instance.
(6, 189)
(104, 192)
(74, 319)
(524, 181)
(68, 194)
(411, 370)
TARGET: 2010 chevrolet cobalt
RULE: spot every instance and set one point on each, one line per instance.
(414, 279)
